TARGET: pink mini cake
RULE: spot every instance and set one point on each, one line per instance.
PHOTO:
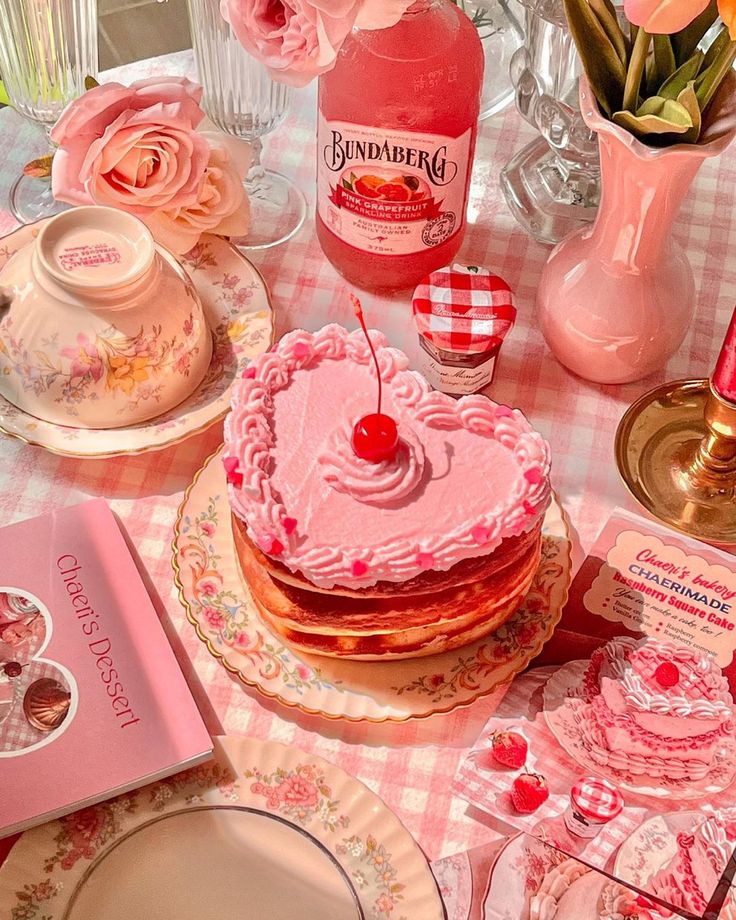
(655, 708)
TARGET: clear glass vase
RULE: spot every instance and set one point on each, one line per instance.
(501, 31)
(47, 48)
(553, 185)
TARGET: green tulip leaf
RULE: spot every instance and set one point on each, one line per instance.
(90, 82)
(664, 58)
(687, 40)
(676, 83)
(602, 64)
(689, 100)
(716, 47)
(656, 116)
(714, 70)
(605, 13)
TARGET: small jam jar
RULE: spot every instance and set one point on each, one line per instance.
(593, 803)
(462, 315)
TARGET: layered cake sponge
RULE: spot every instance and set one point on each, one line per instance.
(406, 556)
(655, 708)
(691, 877)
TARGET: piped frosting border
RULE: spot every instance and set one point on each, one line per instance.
(248, 458)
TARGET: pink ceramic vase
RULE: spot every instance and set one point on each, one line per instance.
(616, 298)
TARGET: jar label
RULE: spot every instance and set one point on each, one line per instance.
(390, 192)
(457, 381)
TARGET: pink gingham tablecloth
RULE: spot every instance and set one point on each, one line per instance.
(410, 766)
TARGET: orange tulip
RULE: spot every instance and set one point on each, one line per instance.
(664, 17)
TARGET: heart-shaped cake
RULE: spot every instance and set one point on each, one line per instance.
(461, 501)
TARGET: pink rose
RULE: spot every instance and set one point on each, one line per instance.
(221, 205)
(207, 527)
(134, 148)
(299, 39)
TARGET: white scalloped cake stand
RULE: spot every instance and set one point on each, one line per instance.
(238, 310)
(226, 620)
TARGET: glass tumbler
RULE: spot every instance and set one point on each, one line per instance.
(242, 100)
(47, 48)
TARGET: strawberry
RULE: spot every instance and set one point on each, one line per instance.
(528, 792)
(667, 675)
(509, 749)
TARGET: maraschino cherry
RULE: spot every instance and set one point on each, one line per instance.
(375, 436)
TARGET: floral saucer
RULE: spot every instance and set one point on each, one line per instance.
(237, 306)
(562, 710)
(517, 876)
(220, 608)
(263, 830)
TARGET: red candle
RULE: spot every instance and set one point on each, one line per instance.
(724, 377)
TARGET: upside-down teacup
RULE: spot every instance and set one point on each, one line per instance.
(99, 326)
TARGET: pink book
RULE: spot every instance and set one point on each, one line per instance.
(92, 701)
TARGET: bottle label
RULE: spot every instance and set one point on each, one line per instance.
(390, 192)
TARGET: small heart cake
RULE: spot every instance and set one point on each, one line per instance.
(410, 554)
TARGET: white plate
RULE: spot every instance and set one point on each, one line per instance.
(265, 832)
(219, 606)
(237, 307)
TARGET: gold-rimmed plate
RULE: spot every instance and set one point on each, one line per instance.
(221, 610)
(263, 831)
(237, 306)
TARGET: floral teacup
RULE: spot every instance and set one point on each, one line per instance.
(99, 326)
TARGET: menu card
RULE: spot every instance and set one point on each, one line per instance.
(623, 754)
(92, 701)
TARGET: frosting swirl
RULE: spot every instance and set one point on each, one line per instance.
(372, 483)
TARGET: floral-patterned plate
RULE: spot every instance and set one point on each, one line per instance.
(237, 307)
(219, 606)
(263, 831)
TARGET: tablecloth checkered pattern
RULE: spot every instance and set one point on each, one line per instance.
(410, 766)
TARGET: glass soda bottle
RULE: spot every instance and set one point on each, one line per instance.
(398, 117)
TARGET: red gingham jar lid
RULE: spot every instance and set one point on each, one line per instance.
(596, 798)
(463, 309)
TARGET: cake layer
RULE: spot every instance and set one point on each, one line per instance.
(468, 474)
(508, 554)
(373, 629)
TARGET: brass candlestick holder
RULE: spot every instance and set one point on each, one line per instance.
(676, 453)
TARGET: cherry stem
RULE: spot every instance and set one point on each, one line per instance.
(358, 310)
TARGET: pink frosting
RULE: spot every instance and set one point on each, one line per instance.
(465, 467)
(632, 723)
